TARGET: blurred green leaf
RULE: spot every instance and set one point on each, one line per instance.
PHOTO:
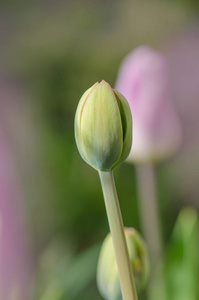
(81, 272)
(177, 276)
(182, 258)
(61, 279)
(52, 292)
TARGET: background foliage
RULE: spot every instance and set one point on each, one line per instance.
(51, 53)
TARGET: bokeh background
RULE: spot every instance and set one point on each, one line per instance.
(51, 52)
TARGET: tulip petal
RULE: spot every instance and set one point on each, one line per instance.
(126, 124)
(101, 128)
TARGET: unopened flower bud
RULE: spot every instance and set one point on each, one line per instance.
(143, 79)
(107, 273)
(103, 127)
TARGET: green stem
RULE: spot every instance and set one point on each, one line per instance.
(151, 227)
(149, 212)
(117, 231)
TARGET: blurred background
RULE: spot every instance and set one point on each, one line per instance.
(51, 52)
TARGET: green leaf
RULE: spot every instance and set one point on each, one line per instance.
(182, 258)
(62, 279)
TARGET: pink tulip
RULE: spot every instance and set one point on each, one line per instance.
(14, 260)
(144, 80)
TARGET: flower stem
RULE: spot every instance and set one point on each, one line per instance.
(152, 230)
(118, 236)
(149, 212)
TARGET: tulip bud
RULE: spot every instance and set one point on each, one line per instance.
(107, 273)
(144, 80)
(103, 127)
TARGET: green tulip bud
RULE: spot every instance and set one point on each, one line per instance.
(107, 273)
(103, 127)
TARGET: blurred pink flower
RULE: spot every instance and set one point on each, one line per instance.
(183, 56)
(144, 80)
(14, 260)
